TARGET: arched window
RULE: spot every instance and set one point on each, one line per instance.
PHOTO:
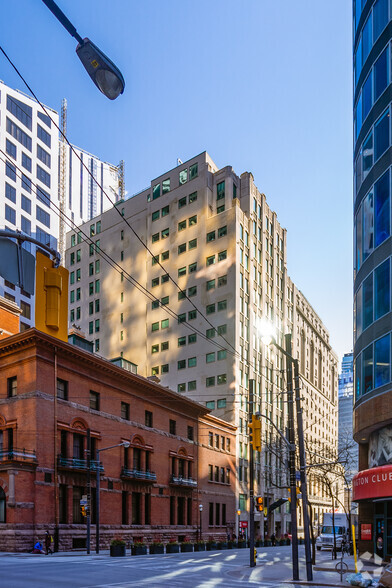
(311, 363)
(2, 506)
(303, 352)
(320, 371)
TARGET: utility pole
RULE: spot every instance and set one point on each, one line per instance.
(293, 486)
(88, 490)
(302, 462)
(251, 482)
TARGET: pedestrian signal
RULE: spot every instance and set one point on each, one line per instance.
(259, 503)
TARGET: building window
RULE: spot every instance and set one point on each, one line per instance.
(148, 418)
(125, 410)
(12, 386)
(221, 403)
(221, 379)
(190, 433)
(181, 364)
(192, 362)
(210, 357)
(210, 404)
(94, 400)
(164, 323)
(210, 260)
(193, 171)
(222, 305)
(191, 385)
(220, 190)
(181, 387)
(210, 514)
(62, 389)
(172, 427)
(210, 381)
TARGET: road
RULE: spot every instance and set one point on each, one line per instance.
(226, 569)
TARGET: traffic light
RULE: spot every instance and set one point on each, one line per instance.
(84, 510)
(51, 298)
(255, 433)
(259, 503)
(298, 491)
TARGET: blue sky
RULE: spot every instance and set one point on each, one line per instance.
(262, 85)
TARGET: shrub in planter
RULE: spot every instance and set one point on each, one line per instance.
(199, 546)
(211, 545)
(172, 547)
(231, 544)
(259, 543)
(267, 542)
(186, 547)
(139, 548)
(157, 547)
(117, 548)
(222, 545)
(282, 542)
(241, 544)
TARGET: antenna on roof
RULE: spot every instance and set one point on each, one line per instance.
(179, 162)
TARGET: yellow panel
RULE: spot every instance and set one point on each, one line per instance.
(51, 298)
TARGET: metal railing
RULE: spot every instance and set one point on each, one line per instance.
(78, 464)
(138, 474)
(16, 454)
(180, 481)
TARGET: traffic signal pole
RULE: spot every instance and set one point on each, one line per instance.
(252, 559)
(293, 485)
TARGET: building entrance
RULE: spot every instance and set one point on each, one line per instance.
(383, 529)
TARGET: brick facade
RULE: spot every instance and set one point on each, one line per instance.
(151, 490)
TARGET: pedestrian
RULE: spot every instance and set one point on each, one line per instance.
(48, 541)
(273, 539)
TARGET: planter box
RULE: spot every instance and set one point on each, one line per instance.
(259, 543)
(155, 549)
(212, 546)
(241, 544)
(187, 548)
(171, 548)
(139, 550)
(223, 545)
(117, 551)
(231, 545)
(200, 546)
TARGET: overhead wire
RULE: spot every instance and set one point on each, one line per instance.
(108, 197)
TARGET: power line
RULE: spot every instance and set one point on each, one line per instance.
(109, 199)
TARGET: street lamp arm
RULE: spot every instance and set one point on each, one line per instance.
(289, 445)
(125, 444)
(67, 24)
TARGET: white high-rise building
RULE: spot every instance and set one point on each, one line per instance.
(29, 181)
(214, 233)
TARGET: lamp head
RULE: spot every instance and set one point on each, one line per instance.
(126, 444)
(266, 331)
(105, 75)
(200, 507)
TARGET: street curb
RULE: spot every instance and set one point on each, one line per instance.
(348, 571)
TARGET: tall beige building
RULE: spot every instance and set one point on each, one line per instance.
(189, 312)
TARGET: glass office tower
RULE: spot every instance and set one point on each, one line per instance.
(372, 487)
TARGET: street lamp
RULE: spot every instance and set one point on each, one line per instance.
(200, 511)
(98, 451)
(267, 339)
(105, 75)
(239, 520)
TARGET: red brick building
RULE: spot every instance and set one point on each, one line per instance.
(51, 394)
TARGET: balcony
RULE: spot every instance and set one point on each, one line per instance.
(142, 475)
(14, 454)
(180, 481)
(78, 464)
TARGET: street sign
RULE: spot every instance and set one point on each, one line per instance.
(243, 524)
(297, 475)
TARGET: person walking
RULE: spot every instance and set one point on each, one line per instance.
(48, 541)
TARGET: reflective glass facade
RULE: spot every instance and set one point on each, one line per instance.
(372, 62)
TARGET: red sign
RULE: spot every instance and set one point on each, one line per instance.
(243, 524)
(366, 532)
(373, 483)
